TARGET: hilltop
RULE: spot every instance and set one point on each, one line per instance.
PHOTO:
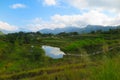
(86, 29)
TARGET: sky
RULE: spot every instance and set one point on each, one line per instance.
(34, 15)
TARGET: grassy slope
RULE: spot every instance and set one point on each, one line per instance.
(107, 70)
(1, 33)
(16, 62)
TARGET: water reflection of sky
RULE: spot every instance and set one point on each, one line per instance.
(53, 52)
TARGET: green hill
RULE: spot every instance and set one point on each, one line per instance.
(1, 33)
(91, 56)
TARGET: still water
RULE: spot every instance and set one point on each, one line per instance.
(53, 52)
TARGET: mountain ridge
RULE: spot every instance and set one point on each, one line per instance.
(86, 29)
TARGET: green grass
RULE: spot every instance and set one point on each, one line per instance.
(18, 60)
(77, 46)
(105, 69)
(109, 70)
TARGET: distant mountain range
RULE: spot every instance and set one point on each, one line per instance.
(58, 30)
(86, 29)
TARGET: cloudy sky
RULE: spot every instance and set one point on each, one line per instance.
(34, 15)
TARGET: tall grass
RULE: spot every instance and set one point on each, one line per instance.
(108, 70)
(77, 45)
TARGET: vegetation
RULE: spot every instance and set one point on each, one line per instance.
(90, 56)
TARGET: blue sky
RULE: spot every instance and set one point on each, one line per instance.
(34, 15)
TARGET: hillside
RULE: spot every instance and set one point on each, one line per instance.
(86, 29)
(1, 33)
(88, 56)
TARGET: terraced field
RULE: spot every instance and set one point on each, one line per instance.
(88, 56)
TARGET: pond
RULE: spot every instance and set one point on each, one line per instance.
(53, 52)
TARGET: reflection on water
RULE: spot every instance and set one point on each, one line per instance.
(53, 52)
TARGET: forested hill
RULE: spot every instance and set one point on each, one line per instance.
(86, 29)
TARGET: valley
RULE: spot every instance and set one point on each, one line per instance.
(88, 56)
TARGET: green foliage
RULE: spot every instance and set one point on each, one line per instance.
(1, 33)
(109, 70)
(21, 56)
(77, 45)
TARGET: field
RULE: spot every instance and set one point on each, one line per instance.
(90, 56)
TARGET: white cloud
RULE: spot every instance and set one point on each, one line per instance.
(115, 21)
(48, 25)
(50, 2)
(110, 5)
(18, 5)
(99, 12)
(7, 27)
(92, 17)
(37, 20)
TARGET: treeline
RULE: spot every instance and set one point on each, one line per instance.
(110, 31)
(34, 37)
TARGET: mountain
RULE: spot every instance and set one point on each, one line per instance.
(90, 28)
(86, 29)
(58, 30)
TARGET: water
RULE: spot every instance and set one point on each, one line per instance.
(53, 52)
